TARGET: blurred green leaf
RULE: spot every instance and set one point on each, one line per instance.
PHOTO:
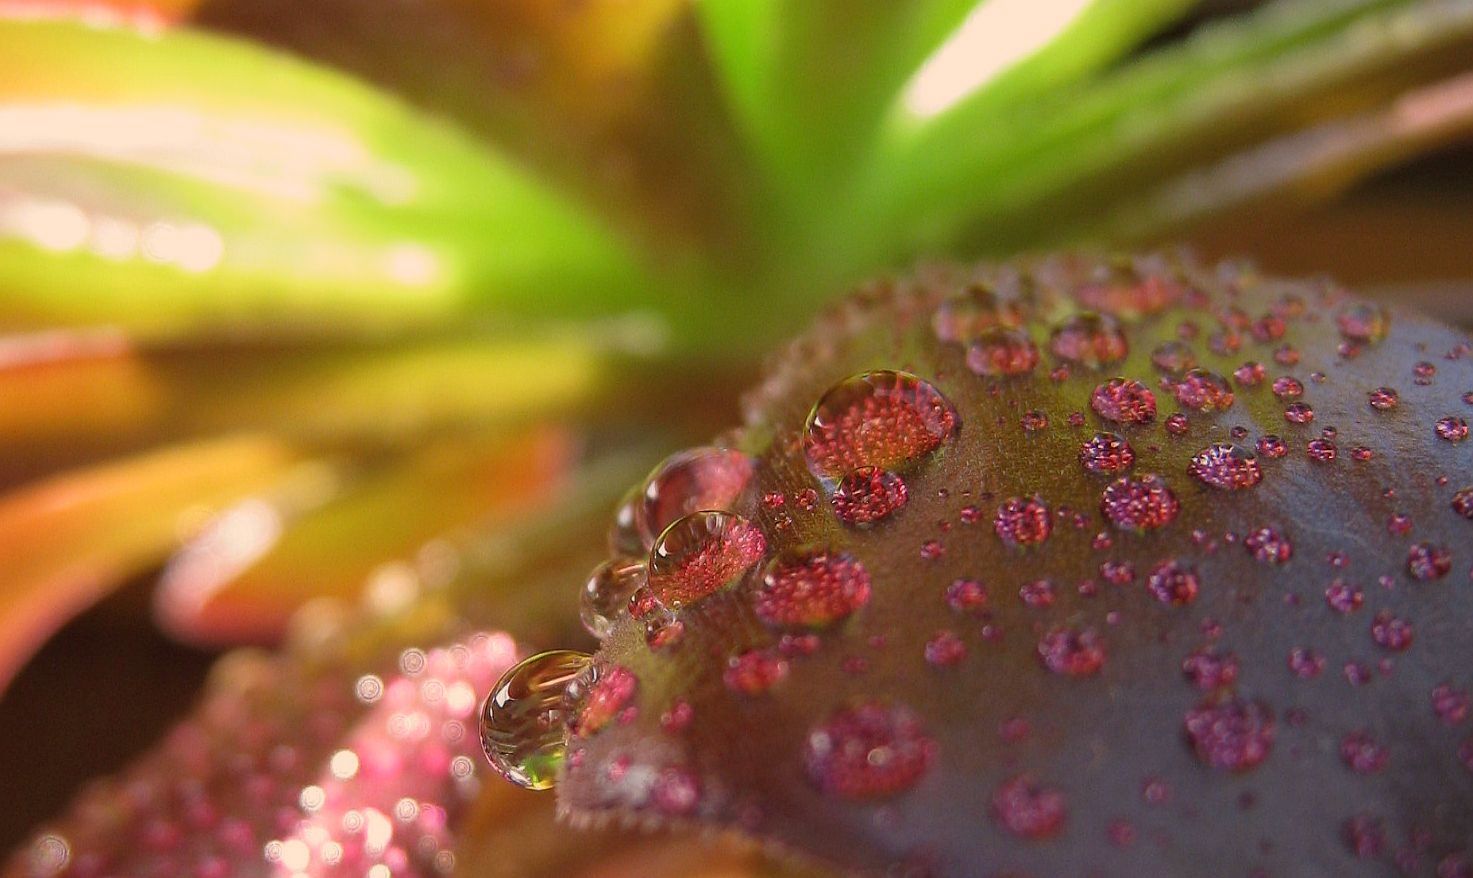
(183, 184)
(1007, 179)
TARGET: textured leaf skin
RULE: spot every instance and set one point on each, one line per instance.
(1136, 798)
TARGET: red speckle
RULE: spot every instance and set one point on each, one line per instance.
(869, 751)
(1232, 735)
(1026, 808)
(812, 589)
(606, 698)
(676, 791)
(1124, 401)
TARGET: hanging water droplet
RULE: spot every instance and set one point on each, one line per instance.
(700, 554)
(524, 719)
(886, 419)
(690, 481)
(607, 594)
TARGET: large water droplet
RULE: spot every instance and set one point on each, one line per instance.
(1226, 466)
(869, 751)
(1142, 503)
(691, 481)
(884, 419)
(607, 594)
(1124, 401)
(700, 554)
(524, 719)
(812, 589)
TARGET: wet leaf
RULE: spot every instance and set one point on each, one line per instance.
(1012, 612)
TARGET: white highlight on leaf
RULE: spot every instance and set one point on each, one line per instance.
(995, 36)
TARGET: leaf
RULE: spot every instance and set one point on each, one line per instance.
(249, 568)
(193, 185)
(994, 615)
(1006, 178)
(66, 541)
(613, 99)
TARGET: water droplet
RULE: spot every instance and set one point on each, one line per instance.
(1209, 670)
(1072, 652)
(1250, 374)
(1362, 753)
(1106, 453)
(1023, 522)
(1344, 597)
(973, 312)
(1232, 735)
(607, 592)
(1306, 663)
(1363, 322)
(868, 751)
(1272, 447)
(1173, 582)
(1002, 353)
(1142, 503)
(812, 589)
(1089, 339)
(1426, 561)
(1173, 357)
(1391, 632)
(700, 554)
(1124, 401)
(868, 495)
(1037, 593)
(945, 649)
(691, 481)
(1028, 809)
(967, 596)
(1462, 502)
(1203, 391)
(1298, 413)
(1322, 450)
(754, 672)
(883, 419)
(523, 720)
(1450, 704)
(1226, 466)
(1288, 387)
(1383, 398)
(1034, 420)
(1269, 546)
(1452, 429)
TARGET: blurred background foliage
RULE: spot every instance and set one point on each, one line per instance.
(293, 295)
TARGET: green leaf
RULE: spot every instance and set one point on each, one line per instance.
(1008, 180)
(183, 184)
